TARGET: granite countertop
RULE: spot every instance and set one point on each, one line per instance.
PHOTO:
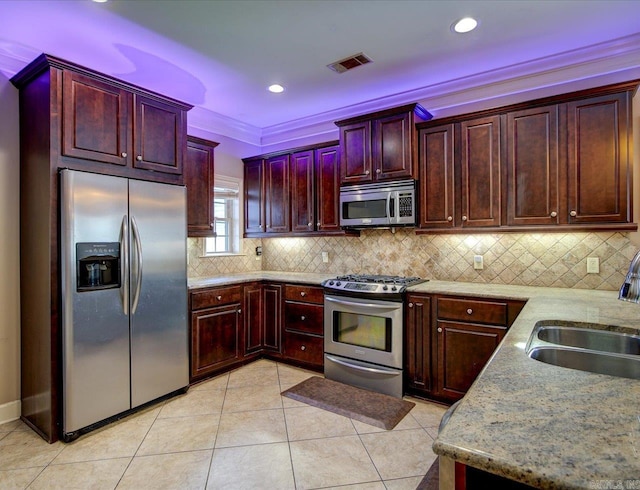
(543, 425)
(240, 277)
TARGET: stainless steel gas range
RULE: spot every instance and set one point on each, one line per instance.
(363, 330)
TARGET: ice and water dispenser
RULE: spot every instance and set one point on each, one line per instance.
(98, 265)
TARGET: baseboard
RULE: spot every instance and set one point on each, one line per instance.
(9, 412)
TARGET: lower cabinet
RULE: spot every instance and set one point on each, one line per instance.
(450, 339)
(303, 338)
(216, 330)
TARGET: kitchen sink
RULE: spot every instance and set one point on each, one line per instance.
(591, 339)
(586, 349)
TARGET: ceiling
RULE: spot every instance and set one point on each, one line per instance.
(221, 55)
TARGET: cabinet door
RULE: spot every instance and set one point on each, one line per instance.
(198, 177)
(95, 120)
(598, 157)
(480, 171)
(253, 318)
(302, 191)
(306, 349)
(254, 196)
(532, 166)
(328, 191)
(463, 350)
(215, 339)
(392, 147)
(355, 160)
(159, 136)
(272, 320)
(277, 194)
(418, 357)
(437, 184)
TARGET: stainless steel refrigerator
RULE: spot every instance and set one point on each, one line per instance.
(124, 296)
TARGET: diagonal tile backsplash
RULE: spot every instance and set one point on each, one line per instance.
(545, 259)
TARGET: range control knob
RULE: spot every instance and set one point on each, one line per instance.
(393, 288)
(331, 283)
(338, 283)
(384, 288)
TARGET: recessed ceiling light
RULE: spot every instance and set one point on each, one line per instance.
(465, 25)
(101, 1)
(276, 88)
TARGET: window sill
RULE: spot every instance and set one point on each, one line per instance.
(225, 254)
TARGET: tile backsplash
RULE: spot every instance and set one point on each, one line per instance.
(545, 259)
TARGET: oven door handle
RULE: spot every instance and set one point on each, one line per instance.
(367, 305)
(358, 367)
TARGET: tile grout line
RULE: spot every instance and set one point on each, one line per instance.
(286, 428)
(215, 439)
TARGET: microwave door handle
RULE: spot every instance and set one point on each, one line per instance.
(389, 210)
(361, 305)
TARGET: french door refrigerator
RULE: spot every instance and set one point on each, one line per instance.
(124, 296)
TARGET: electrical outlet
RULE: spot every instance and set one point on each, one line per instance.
(325, 257)
(593, 265)
(478, 262)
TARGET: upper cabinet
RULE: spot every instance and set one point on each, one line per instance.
(198, 177)
(96, 120)
(561, 163)
(380, 146)
(293, 193)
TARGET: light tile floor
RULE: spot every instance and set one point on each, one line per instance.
(232, 431)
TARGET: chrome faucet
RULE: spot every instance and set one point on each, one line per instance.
(630, 290)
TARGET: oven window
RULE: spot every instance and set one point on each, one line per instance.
(372, 332)
(364, 209)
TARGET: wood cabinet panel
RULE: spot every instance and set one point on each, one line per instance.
(95, 120)
(277, 194)
(302, 191)
(215, 339)
(215, 297)
(272, 319)
(254, 197)
(199, 180)
(392, 146)
(437, 170)
(253, 306)
(355, 160)
(598, 159)
(480, 172)
(304, 293)
(304, 317)
(328, 188)
(467, 310)
(532, 166)
(307, 349)
(418, 346)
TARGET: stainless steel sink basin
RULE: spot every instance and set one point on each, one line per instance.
(586, 349)
(586, 360)
(591, 339)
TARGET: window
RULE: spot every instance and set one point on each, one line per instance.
(226, 218)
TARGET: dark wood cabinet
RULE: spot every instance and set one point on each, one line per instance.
(276, 207)
(293, 193)
(303, 332)
(216, 330)
(272, 319)
(450, 339)
(599, 180)
(198, 178)
(263, 317)
(532, 158)
(380, 146)
(327, 177)
(302, 191)
(417, 355)
(555, 164)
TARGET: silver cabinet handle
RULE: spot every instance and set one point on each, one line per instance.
(123, 154)
(303, 294)
(211, 225)
(218, 298)
(449, 218)
(410, 305)
(139, 158)
(464, 218)
(303, 318)
(469, 311)
(366, 172)
(303, 347)
(378, 171)
(239, 311)
(573, 214)
(553, 214)
(439, 329)
(309, 225)
(318, 223)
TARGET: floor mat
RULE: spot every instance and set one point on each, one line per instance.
(372, 408)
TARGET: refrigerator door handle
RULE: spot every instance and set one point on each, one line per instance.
(124, 264)
(135, 234)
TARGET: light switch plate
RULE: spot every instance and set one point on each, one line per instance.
(478, 262)
(325, 257)
(593, 265)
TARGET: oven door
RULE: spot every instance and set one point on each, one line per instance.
(364, 329)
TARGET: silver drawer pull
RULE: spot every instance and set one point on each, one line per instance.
(139, 158)
(469, 311)
(239, 311)
(218, 298)
(439, 329)
(302, 293)
(304, 347)
(302, 318)
(410, 305)
(123, 154)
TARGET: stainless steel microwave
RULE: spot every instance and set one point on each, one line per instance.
(381, 205)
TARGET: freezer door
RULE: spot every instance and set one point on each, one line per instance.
(159, 327)
(95, 326)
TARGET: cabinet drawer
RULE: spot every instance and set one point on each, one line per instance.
(215, 297)
(304, 348)
(473, 311)
(308, 294)
(303, 317)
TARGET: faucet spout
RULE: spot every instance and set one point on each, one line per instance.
(630, 289)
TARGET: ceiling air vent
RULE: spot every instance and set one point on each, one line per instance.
(348, 63)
